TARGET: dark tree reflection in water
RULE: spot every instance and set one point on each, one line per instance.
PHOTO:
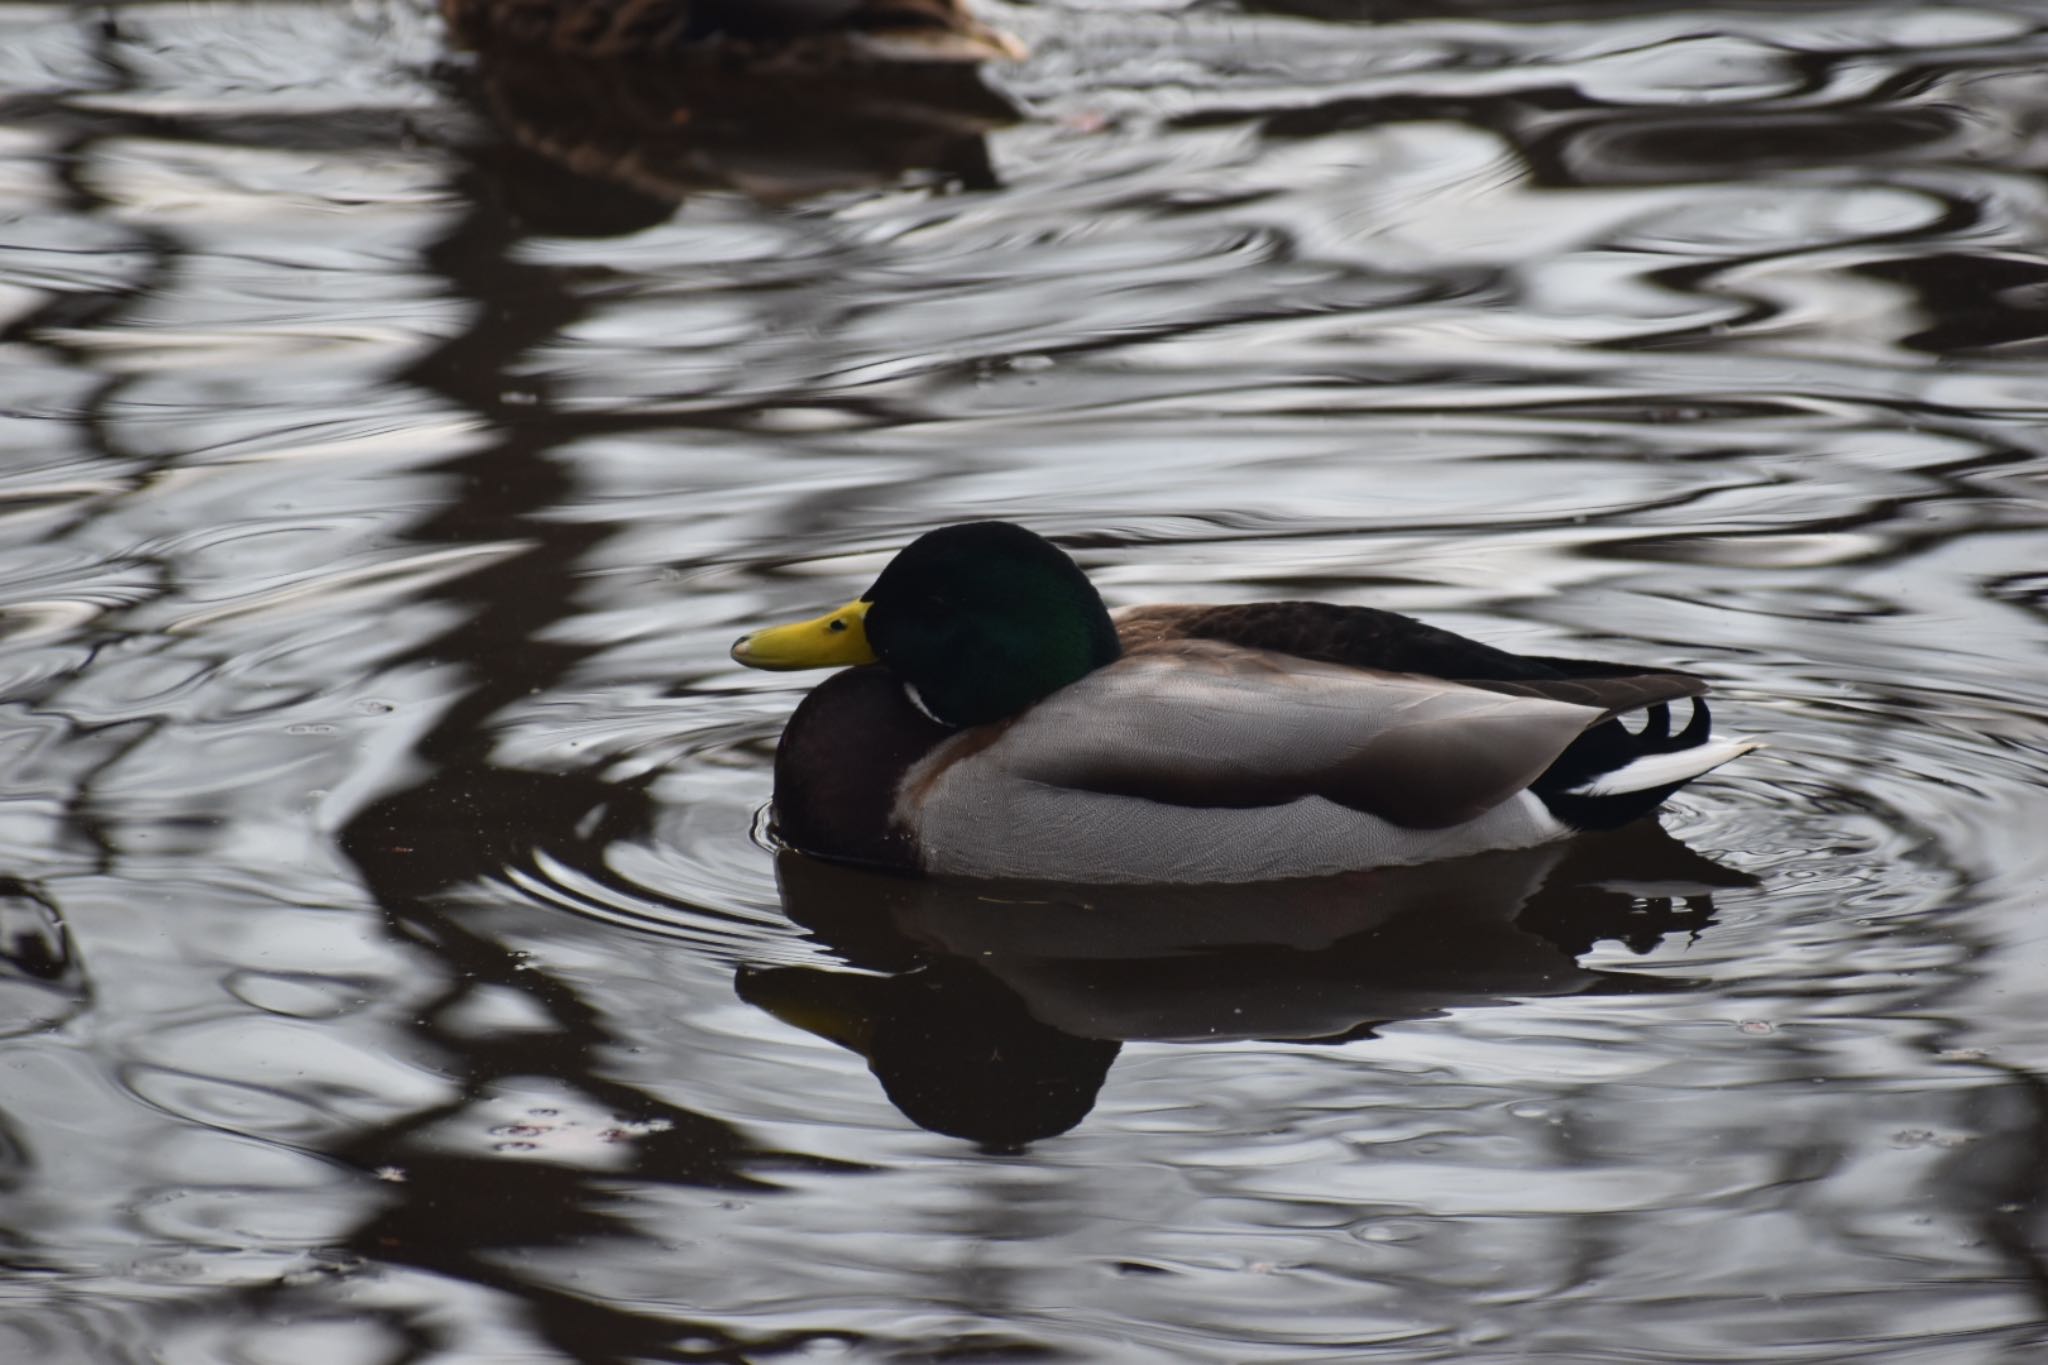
(390, 967)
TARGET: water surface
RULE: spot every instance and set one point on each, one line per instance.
(395, 970)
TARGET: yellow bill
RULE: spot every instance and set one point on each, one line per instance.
(838, 639)
(837, 1006)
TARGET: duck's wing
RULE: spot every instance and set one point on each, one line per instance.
(1199, 724)
(646, 28)
(1611, 695)
(1366, 637)
(770, 18)
(1374, 640)
(925, 24)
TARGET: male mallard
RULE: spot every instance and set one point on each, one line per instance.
(778, 34)
(1011, 726)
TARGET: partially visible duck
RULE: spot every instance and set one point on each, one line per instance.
(997, 720)
(775, 34)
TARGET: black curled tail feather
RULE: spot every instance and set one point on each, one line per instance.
(1611, 745)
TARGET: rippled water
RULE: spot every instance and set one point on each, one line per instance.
(393, 968)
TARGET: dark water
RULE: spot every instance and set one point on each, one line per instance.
(393, 968)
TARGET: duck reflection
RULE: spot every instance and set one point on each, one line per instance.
(993, 1011)
(608, 141)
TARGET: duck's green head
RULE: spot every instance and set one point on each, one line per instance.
(979, 621)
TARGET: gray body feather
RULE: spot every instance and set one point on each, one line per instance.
(1191, 761)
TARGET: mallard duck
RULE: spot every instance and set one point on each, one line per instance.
(995, 720)
(778, 34)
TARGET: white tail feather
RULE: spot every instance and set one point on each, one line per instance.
(1661, 770)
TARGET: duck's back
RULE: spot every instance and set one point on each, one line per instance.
(746, 32)
(611, 28)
